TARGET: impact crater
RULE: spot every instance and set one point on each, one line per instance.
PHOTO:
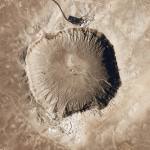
(72, 70)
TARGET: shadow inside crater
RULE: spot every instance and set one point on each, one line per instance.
(109, 60)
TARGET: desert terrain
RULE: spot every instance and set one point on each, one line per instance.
(124, 124)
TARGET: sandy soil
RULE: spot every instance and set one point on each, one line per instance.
(125, 123)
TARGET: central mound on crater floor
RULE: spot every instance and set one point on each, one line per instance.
(72, 71)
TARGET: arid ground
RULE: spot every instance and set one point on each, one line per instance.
(125, 123)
